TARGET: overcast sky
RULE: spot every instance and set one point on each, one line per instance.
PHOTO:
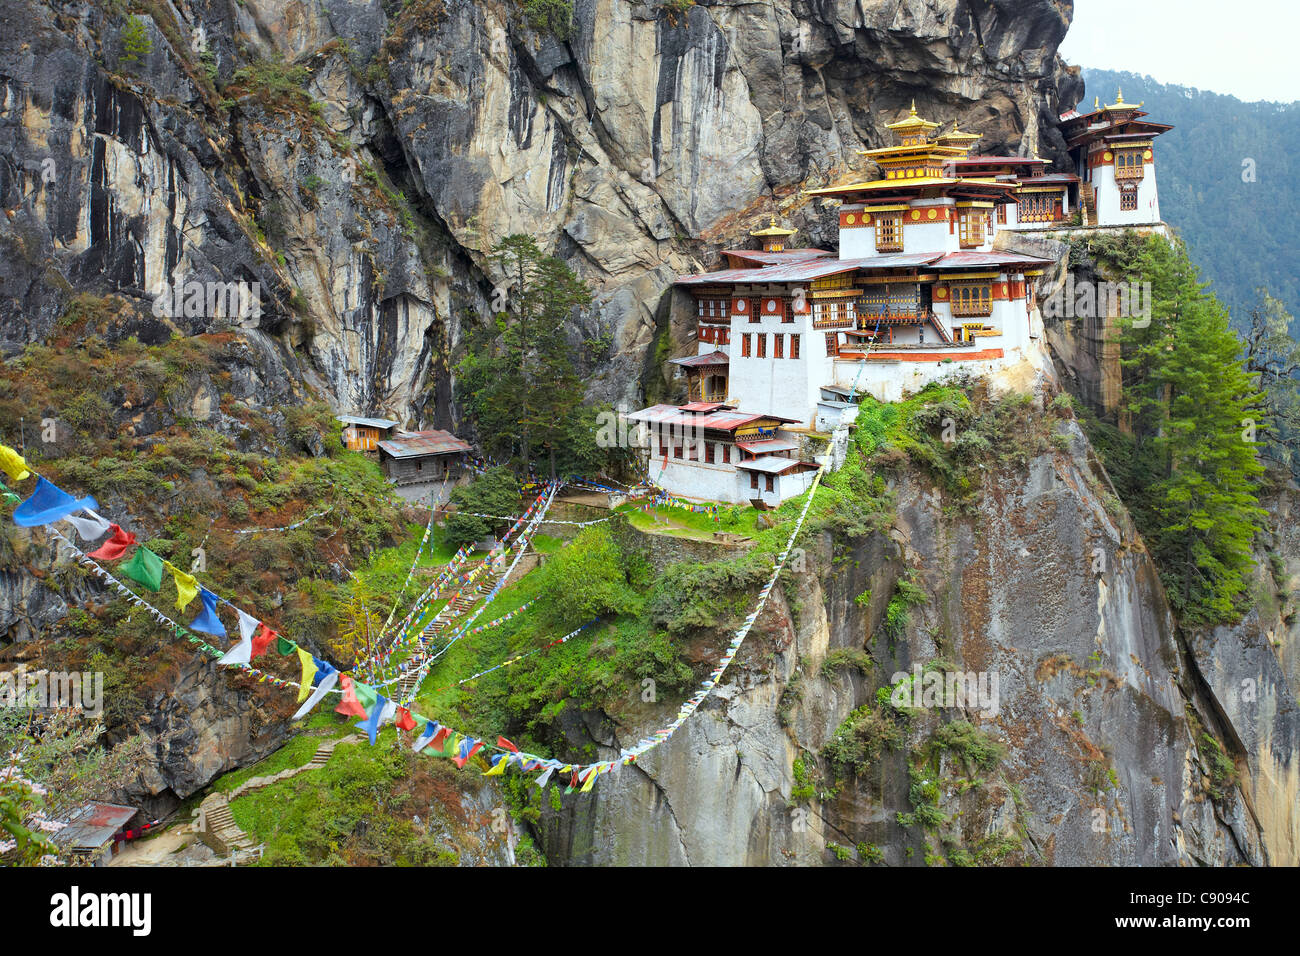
(1246, 48)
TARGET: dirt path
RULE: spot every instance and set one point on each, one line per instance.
(154, 850)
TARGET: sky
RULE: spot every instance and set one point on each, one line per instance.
(1245, 48)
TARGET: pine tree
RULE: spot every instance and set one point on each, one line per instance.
(1195, 410)
(519, 372)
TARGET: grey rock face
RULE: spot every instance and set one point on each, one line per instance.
(1101, 768)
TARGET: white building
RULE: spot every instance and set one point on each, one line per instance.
(916, 293)
(1113, 150)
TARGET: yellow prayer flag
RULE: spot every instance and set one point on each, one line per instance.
(13, 464)
(308, 674)
(498, 769)
(187, 589)
(591, 779)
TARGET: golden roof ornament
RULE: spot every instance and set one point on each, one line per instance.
(773, 230)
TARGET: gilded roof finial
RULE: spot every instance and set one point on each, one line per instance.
(772, 222)
(1096, 102)
(913, 106)
(1119, 95)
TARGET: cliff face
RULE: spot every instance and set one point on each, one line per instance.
(364, 194)
(1102, 707)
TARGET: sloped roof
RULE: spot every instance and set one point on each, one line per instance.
(420, 444)
(92, 825)
(723, 419)
(975, 260)
(773, 258)
(382, 423)
(771, 465)
(811, 269)
(708, 360)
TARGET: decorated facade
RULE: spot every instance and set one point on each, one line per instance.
(1113, 149)
(915, 293)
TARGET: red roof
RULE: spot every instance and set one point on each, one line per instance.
(1048, 179)
(810, 269)
(709, 360)
(420, 444)
(724, 419)
(773, 258)
(975, 260)
(996, 160)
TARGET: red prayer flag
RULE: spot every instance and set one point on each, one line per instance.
(404, 719)
(349, 706)
(507, 745)
(262, 640)
(114, 547)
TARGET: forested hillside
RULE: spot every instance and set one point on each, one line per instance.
(1227, 183)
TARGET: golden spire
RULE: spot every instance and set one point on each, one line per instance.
(1096, 102)
(1119, 95)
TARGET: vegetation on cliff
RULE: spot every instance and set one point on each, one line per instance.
(1188, 466)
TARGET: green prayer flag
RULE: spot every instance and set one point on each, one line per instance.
(366, 694)
(145, 567)
(284, 646)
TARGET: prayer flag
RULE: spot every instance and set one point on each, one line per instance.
(145, 567)
(187, 589)
(207, 621)
(49, 503)
(13, 464)
(114, 547)
(328, 678)
(90, 528)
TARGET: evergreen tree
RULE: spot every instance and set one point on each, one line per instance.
(519, 373)
(1195, 410)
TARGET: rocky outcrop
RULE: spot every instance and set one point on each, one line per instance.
(1099, 709)
(364, 194)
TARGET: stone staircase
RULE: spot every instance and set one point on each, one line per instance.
(215, 824)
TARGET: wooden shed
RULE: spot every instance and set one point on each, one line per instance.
(412, 457)
(365, 434)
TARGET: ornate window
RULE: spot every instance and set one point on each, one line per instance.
(1002, 215)
(970, 227)
(762, 345)
(1128, 164)
(1128, 197)
(1037, 207)
(889, 232)
(778, 346)
(744, 344)
(794, 345)
(832, 343)
(972, 298)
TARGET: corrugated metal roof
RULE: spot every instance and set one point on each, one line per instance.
(371, 422)
(703, 361)
(771, 465)
(772, 258)
(974, 260)
(92, 825)
(811, 269)
(419, 444)
(767, 447)
(986, 160)
(706, 406)
(722, 420)
(1049, 178)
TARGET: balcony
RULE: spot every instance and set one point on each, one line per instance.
(1129, 173)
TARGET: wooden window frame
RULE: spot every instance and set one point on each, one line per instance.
(889, 231)
(761, 350)
(971, 298)
(778, 346)
(794, 345)
(744, 344)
